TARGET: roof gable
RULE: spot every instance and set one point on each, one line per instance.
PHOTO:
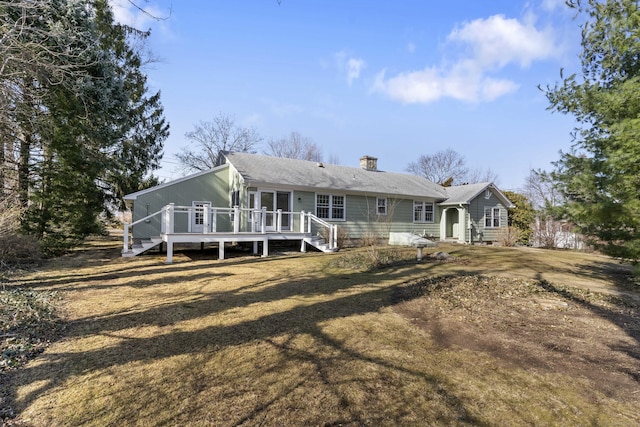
(464, 194)
(134, 196)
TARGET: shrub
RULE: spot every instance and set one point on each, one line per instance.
(342, 235)
(28, 322)
(509, 236)
(17, 249)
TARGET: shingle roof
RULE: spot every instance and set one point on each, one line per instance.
(463, 194)
(264, 170)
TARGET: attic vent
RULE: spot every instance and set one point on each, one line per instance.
(487, 194)
(369, 163)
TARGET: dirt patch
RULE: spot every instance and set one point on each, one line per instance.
(533, 325)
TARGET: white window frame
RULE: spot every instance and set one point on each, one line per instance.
(331, 206)
(492, 217)
(422, 206)
(382, 205)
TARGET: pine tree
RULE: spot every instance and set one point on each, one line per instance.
(600, 176)
(80, 127)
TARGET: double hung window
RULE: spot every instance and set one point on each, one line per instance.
(422, 211)
(492, 217)
(330, 206)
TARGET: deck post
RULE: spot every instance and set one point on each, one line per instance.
(125, 244)
(170, 218)
(214, 221)
(255, 247)
(279, 220)
(205, 219)
(331, 241)
(335, 237)
(265, 248)
(169, 251)
(302, 221)
(263, 220)
(236, 220)
(221, 249)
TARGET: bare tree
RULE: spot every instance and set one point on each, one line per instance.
(295, 146)
(448, 167)
(208, 139)
(550, 230)
(481, 175)
(442, 166)
(334, 159)
(542, 191)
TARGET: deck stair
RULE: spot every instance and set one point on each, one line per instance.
(144, 245)
(320, 244)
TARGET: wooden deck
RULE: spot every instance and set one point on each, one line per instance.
(211, 234)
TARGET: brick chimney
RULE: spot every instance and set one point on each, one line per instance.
(369, 163)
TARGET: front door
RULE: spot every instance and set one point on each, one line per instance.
(197, 216)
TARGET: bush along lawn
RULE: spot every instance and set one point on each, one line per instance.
(29, 323)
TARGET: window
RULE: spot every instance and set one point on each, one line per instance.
(329, 206)
(422, 211)
(322, 206)
(235, 198)
(381, 205)
(337, 207)
(492, 217)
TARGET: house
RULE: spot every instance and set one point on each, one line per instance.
(257, 198)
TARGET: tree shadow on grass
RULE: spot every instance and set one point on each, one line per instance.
(625, 316)
(340, 297)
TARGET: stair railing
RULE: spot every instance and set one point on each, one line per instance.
(308, 218)
(126, 243)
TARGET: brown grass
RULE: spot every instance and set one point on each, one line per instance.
(294, 340)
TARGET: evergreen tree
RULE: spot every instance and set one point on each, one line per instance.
(600, 176)
(521, 216)
(80, 128)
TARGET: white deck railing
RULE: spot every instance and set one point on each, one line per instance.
(211, 220)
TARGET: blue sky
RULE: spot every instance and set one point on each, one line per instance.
(391, 79)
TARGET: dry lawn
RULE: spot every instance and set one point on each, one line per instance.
(497, 336)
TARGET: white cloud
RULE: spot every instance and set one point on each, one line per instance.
(488, 45)
(432, 84)
(349, 66)
(354, 66)
(498, 41)
(552, 5)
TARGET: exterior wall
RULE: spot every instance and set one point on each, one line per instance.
(362, 219)
(211, 187)
(479, 233)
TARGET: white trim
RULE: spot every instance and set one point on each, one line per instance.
(192, 214)
(423, 205)
(331, 196)
(386, 203)
(492, 217)
(490, 186)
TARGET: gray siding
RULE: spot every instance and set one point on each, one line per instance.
(211, 187)
(362, 218)
(479, 232)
